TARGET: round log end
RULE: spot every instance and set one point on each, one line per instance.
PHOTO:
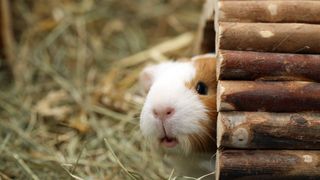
(217, 170)
(219, 64)
(240, 137)
(220, 130)
(223, 105)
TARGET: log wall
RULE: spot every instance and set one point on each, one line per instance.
(268, 94)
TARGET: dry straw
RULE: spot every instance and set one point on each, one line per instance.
(73, 112)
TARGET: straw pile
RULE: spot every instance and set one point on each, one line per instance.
(73, 111)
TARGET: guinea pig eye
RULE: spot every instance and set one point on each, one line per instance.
(202, 88)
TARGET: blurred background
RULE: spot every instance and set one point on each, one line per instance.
(69, 95)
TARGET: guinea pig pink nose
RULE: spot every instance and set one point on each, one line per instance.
(163, 113)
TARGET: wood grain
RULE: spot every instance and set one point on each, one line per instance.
(288, 96)
(268, 164)
(270, 11)
(247, 65)
(269, 37)
(262, 130)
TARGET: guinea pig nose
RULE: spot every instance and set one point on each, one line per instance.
(163, 113)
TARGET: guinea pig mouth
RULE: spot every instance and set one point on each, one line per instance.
(168, 142)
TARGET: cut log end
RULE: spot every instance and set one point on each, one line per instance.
(220, 130)
(219, 64)
(221, 104)
(217, 170)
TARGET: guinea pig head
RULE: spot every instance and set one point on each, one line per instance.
(179, 113)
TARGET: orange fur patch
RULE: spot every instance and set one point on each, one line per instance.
(206, 73)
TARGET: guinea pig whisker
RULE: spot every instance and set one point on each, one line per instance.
(187, 144)
(197, 142)
(208, 134)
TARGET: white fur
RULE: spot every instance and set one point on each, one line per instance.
(169, 89)
(166, 83)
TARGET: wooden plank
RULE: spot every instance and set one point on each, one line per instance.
(289, 96)
(246, 65)
(282, 164)
(6, 36)
(269, 37)
(270, 11)
(261, 130)
(208, 38)
(206, 31)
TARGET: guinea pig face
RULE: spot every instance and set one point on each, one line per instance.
(179, 113)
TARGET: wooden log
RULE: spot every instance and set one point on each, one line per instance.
(261, 130)
(295, 11)
(208, 38)
(269, 37)
(206, 32)
(282, 164)
(246, 65)
(1, 36)
(288, 96)
(6, 36)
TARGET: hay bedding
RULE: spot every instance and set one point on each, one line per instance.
(73, 111)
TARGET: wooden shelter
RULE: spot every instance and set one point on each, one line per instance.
(268, 68)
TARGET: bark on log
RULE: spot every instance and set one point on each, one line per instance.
(295, 11)
(260, 130)
(245, 65)
(289, 96)
(269, 37)
(282, 164)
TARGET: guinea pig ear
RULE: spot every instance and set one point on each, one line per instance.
(147, 77)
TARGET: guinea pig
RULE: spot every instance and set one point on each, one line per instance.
(179, 114)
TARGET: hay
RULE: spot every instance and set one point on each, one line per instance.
(74, 113)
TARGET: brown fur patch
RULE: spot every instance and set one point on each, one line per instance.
(206, 73)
